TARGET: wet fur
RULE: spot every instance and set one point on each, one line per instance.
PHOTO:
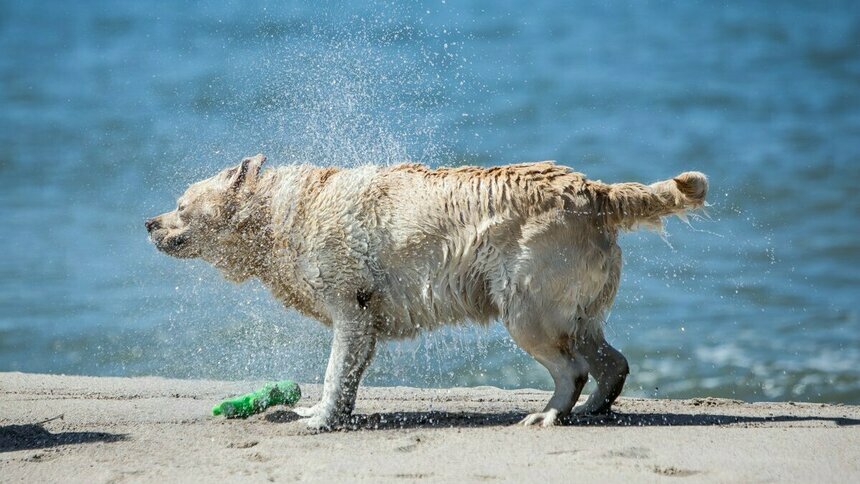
(386, 252)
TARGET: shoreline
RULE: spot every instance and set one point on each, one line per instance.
(148, 428)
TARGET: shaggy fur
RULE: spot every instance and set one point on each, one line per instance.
(386, 252)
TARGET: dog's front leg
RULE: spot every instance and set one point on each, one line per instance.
(351, 351)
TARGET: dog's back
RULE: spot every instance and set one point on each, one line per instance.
(462, 243)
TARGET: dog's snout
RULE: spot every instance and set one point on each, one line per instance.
(152, 224)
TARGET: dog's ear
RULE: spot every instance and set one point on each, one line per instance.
(247, 172)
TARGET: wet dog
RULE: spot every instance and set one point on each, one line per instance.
(381, 253)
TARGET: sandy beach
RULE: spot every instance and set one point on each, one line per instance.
(155, 429)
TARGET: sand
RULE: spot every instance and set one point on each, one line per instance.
(155, 429)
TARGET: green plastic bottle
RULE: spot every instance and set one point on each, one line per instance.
(284, 392)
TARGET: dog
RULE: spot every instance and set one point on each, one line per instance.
(380, 253)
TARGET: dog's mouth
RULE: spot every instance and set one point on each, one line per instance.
(173, 245)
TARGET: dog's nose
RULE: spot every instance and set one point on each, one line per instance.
(151, 224)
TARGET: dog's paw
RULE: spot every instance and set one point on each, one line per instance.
(319, 422)
(545, 419)
(306, 411)
(588, 409)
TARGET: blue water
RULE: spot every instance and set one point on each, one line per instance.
(108, 110)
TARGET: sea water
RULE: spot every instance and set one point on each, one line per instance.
(109, 109)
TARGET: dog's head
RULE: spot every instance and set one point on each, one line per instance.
(205, 216)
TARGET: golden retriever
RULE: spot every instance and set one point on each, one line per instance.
(386, 252)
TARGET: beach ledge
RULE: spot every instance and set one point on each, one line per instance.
(148, 429)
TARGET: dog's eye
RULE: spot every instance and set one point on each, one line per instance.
(181, 208)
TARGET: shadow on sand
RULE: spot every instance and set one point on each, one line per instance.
(34, 436)
(436, 419)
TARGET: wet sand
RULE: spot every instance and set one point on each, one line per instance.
(154, 429)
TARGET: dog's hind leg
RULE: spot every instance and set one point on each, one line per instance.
(607, 365)
(351, 351)
(568, 373)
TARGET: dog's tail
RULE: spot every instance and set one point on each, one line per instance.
(628, 205)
